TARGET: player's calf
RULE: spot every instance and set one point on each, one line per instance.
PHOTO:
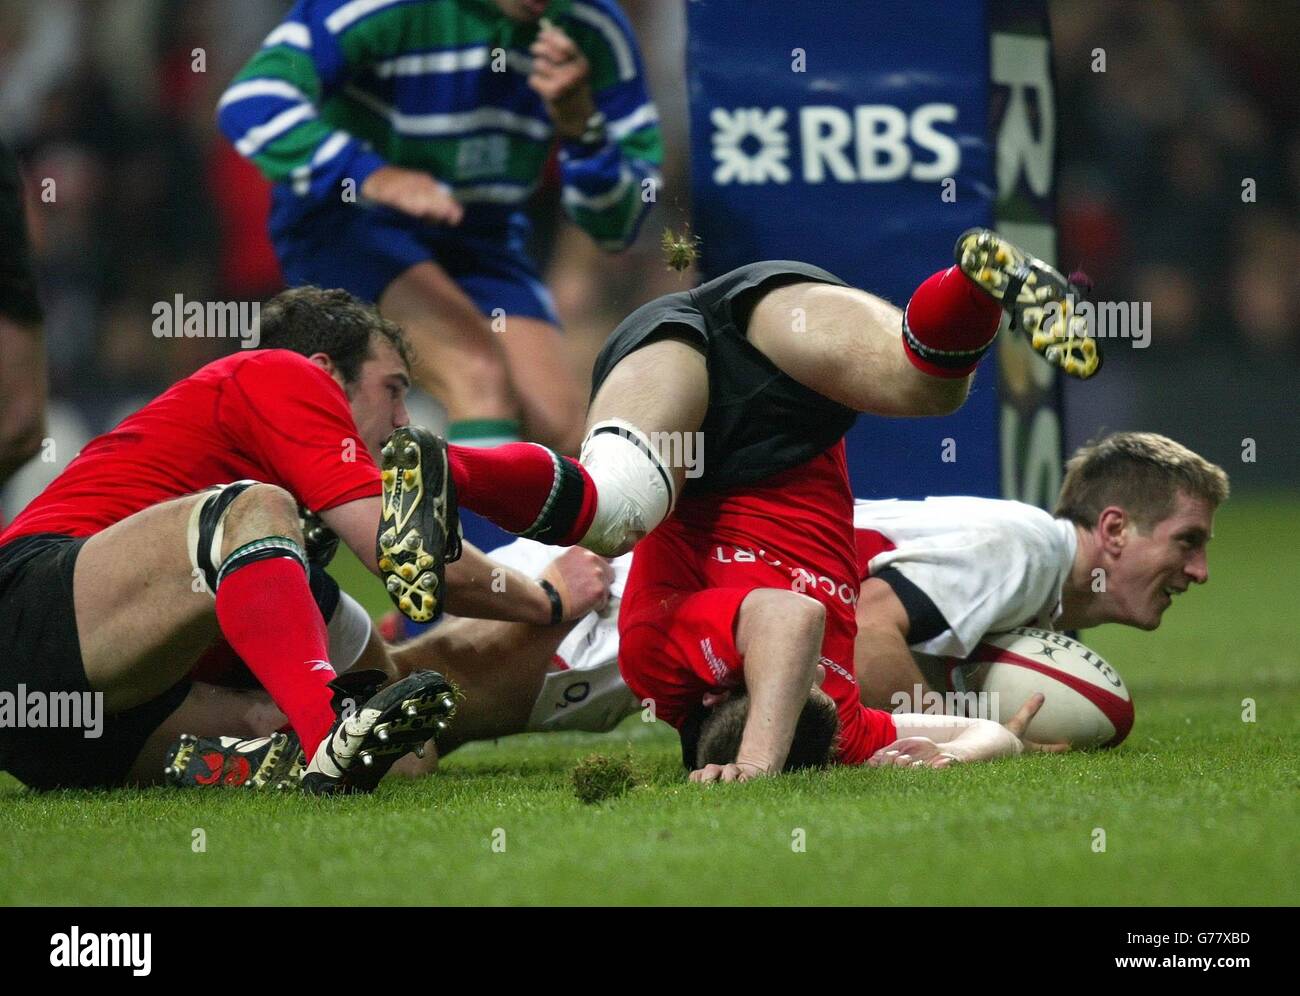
(620, 490)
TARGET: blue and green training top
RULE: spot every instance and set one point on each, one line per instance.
(343, 87)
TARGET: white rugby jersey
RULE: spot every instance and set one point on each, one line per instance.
(594, 641)
(584, 689)
(988, 565)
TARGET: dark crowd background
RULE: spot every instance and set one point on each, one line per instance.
(100, 96)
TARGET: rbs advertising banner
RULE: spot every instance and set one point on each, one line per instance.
(864, 137)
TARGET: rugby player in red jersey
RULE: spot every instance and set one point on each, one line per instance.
(770, 364)
(142, 553)
(938, 576)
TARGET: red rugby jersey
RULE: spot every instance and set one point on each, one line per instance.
(265, 415)
(792, 530)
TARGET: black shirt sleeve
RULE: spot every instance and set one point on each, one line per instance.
(925, 621)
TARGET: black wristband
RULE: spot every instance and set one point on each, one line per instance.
(557, 603)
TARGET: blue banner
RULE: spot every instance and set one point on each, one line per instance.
(859, 137)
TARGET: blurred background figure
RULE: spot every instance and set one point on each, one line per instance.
(1180, 186)
(103, 97)
(403, 139)
(22, 343)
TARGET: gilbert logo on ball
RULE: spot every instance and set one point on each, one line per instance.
(1087, 703)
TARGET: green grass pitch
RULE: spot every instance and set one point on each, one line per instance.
(1196, 807)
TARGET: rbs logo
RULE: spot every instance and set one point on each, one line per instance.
(874, 143)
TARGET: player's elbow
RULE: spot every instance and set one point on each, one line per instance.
(778, 614)
(801, 612)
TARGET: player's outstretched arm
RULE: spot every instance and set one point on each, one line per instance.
(354, 523)
(938, 741)
(482, 588)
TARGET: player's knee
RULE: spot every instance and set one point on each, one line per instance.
(485, 370)
(480, 387)
(230, 518)
(560, 420)
(263, 510)
(634, 487)
(938, 396)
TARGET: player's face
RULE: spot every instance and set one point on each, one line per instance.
(1154, 568)
(378, 396)
(523, 10)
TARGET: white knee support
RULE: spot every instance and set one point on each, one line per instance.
(634, 489)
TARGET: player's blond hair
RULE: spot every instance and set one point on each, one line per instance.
(1140, 472)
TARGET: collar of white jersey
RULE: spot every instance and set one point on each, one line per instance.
(1070, 538)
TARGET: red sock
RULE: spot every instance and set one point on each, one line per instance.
(267, 614)
(949, 324)
(521, 488)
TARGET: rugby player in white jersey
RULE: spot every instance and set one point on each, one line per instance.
(1129, 533)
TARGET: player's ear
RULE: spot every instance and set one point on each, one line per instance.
(1112, 528)
(323, 361)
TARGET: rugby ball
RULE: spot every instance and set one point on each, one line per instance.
(1087, 703)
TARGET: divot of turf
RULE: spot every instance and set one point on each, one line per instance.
(598, 777)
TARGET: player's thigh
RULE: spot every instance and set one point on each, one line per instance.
(454, 343)
(845, 344)
(499, 666)
(552, 398)
(662, 385)
(141, 617)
